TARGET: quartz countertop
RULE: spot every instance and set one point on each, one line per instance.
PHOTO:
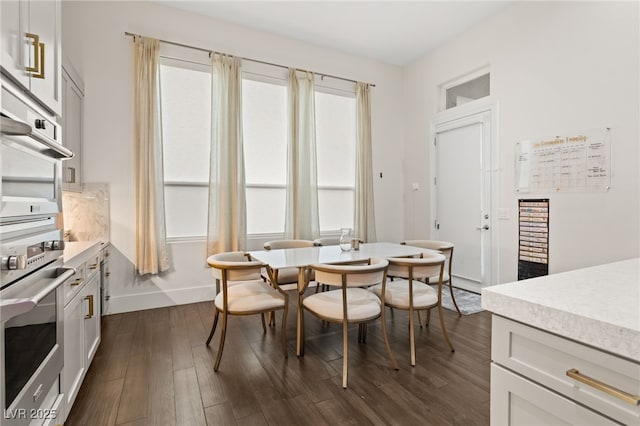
(75, 249)
(598, 306)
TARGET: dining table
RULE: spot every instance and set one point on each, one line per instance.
(303, 257)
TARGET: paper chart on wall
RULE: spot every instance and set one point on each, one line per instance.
(578, 162)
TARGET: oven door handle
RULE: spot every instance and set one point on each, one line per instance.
(13, 307)
(11, 127)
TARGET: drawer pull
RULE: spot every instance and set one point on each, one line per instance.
(93, 266)
(77, 282)
(89, 298)
(601, 386)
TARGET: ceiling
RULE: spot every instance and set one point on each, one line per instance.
(394, 32)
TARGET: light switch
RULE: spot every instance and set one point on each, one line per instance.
(415, 186)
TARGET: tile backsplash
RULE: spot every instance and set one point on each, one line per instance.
(86, 213)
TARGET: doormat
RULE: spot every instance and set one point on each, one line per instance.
(468, 302)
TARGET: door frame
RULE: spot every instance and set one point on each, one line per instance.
(480, 106)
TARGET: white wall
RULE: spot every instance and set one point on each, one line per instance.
(556, 68)
(94, 41)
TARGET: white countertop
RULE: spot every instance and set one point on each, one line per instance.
(297, 257)
(73, 249)
(598, 306)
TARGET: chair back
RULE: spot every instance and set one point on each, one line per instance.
(234, 266)
(285, 244)
(443, 246)
(361, 275)
(327, 241)
(425, 266)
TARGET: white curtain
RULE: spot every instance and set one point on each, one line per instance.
(227, 221)
(365, 222)
(151, 245)
(301, 212)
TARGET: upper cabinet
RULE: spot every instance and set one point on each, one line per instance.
(31, 52)
(72, 126)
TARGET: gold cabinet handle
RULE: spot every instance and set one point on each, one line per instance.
(90, 299)
(78, 281)
(37, 69)
(93, 266)
(601, 386)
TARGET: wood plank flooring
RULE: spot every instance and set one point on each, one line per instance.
(153, 368)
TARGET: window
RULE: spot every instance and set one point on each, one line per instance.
(185, 99)
(185, 96)
(465, 89)
(336, 154)
(264, 121)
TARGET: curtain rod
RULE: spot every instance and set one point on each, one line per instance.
(243, 58)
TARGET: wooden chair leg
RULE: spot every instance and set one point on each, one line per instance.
(284, 327)
(419, 318)
(300, 331)
(444, 329)
(454, 299)
(222, 336)
(345, 352)
(213, 327)
(412, 338)
(386, 340)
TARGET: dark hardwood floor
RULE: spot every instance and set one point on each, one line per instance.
(153, 368)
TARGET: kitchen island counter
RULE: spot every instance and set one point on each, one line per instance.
(598, 306)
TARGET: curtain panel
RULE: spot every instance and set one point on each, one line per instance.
(301, 210)
(365, 221)
(151, 245)
(227, 219)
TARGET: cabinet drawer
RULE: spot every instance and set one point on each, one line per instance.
(75, 283)
(93, 265)
(517, 401)
(546, 358)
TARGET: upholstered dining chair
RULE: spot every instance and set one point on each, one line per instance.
(327, 241)
(287, 278)
(446, 249)
(243, 292)
(350, 303)
(410, 294)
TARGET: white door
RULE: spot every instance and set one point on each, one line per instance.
(463, 207)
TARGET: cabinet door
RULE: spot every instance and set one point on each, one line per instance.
(518, 401)
(72, 115)
(45, 22)
(74, 364)
(91, 305)
(14, 26)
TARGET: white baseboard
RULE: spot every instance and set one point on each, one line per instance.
(160, 299)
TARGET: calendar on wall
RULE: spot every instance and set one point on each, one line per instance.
(575, 162)
(533, 232)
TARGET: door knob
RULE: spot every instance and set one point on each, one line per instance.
(482, 228)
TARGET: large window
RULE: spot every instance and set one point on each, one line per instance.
(336, 149)
(264, 121)
(185, 93)
(186, 128)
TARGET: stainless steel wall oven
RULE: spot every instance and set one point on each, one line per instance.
(31, 273)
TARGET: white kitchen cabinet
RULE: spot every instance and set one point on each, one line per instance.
(531, 383)
(31, 48)
(81, 321)
(105, 280)
(72, 127)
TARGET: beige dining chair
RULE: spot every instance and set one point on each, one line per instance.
(243, 292)
(287, 278)
(446, 249)
(409, 294)
(351, 303)
(327, 241)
